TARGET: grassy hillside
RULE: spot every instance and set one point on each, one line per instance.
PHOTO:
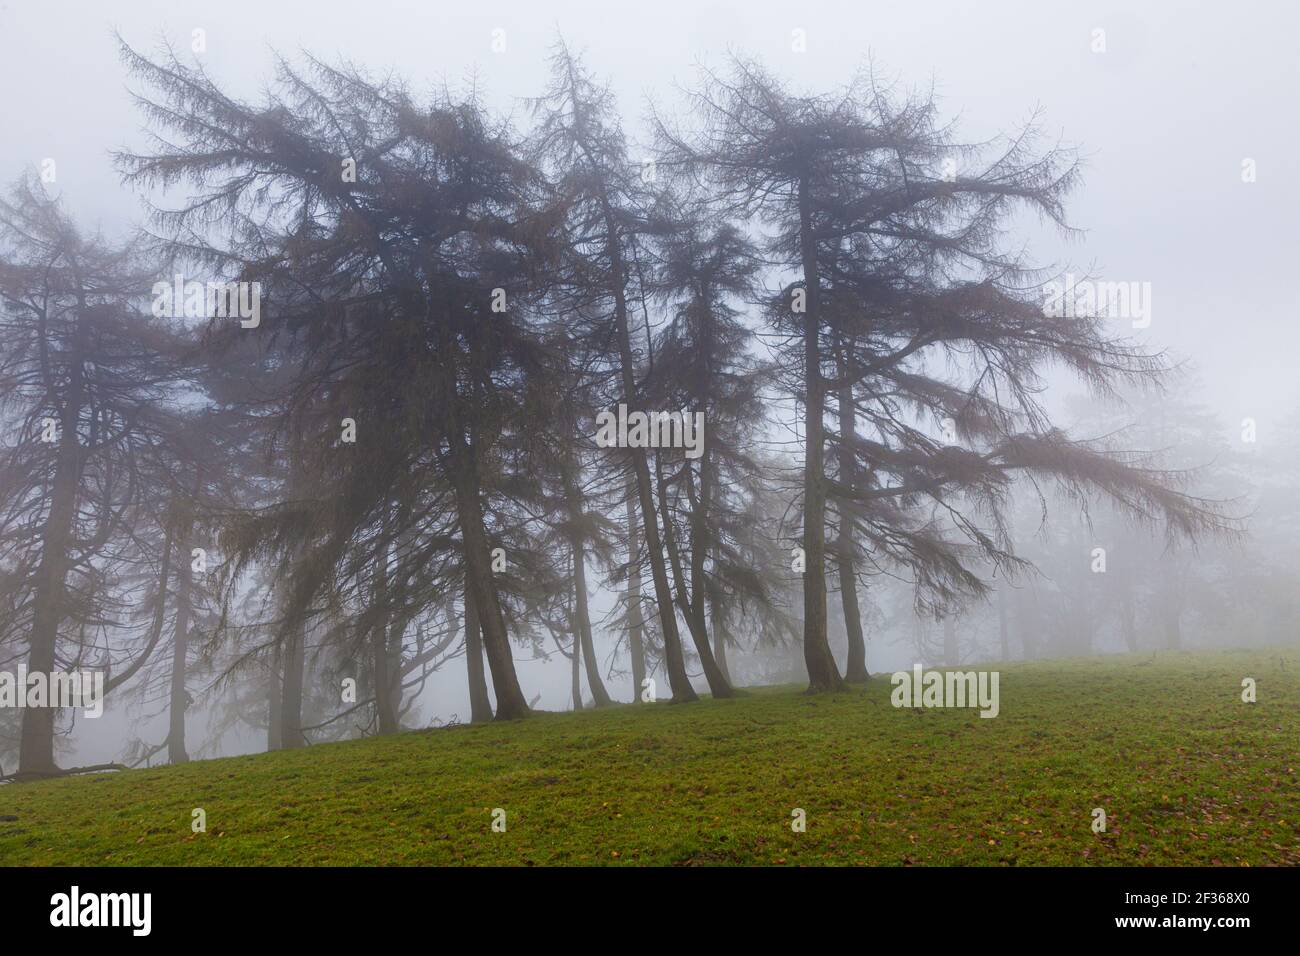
(1185, 771)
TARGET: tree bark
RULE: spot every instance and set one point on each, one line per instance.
(720, 685)
(387, 679)
(294, 660)
(856, 665)
(582, 614)
(36, 742)
(178, 699)
(720, 644)
(480, 704)
(692, 612)
(575, 677)
(674, 662)
(511, 703)
(635, 637)
(823, 675)
(274, 713)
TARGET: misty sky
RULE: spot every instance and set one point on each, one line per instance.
(1164, 118)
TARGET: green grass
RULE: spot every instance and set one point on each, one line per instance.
(1186, 772)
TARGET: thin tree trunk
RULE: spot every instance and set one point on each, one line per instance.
(386, 679)
(575, 659)
(674, 662)
(635, 638)
(480, 704)
(699, 580)
(694, 614)
(274, 738)
(582, 614)
(511, 703)
(178, 699)
(950, 651)
(856, 665)
(823, 675)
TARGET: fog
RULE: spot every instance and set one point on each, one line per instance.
(1189, 160)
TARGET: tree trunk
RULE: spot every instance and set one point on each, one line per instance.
(179, 700)
(699, 588)
(575, 678)
(274, 714)
(387, 680)
(294, 660)
(674, 663)
(692, 611)
(635, 640)
(720, 644)
(511, 704)
(480, 704)
(856, 665)
(582, 618)
(823, 675)
(36, 743)
(951, 657)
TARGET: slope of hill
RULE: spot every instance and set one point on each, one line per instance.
(1185, 771)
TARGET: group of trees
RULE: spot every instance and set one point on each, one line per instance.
(396, 465)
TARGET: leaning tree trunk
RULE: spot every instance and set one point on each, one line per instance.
(823, 675)
(699, 588)
(693, 612)
(582, 614)
(480, 704)
(178, 699)
(511, 704)
(674, 662)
